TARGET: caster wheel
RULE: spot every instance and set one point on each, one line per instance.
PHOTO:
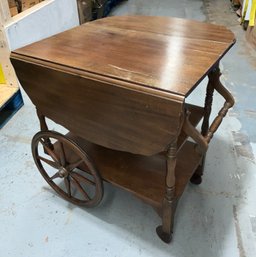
(167, 238)
(196, 179)
(81, 187)
(245, 25)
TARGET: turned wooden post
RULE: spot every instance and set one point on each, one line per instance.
(208, 100)
(169, 204)
(213, 80)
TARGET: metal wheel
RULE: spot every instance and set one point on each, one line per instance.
(67, 168)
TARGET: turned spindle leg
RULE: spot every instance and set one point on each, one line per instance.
(214, 76)
(169, 203)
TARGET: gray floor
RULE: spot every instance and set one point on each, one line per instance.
(217, 218)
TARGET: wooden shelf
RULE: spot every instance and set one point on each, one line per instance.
(141, 175)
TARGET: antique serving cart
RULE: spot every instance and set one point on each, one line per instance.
(119, 85)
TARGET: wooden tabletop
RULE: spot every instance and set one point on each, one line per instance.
(168, 54)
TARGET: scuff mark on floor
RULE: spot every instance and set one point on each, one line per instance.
(11, 210)
(220, 12)
(250, 113)
(18, 139)
(221, 194)
(69, 216)
(242, 145)
(30, 164)
(238, 233)
(253, 223)
(247, 51)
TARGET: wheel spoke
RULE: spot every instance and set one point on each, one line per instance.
(82, 178)
(79, 187)
(56, 175)
(49, 162)
(67, 168)
(62, 155)
(50, 152)
(67, 184)
(74, 165)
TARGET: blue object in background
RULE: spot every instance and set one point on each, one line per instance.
(10, 108)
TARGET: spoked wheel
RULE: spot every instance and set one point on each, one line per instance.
(67, 168)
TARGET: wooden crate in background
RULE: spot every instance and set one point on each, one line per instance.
(17, 6)
(26, 4)
(11, 3)
(13, 8)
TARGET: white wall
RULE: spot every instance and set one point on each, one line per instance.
(43, 20)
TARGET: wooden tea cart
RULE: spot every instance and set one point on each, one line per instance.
(119, 85)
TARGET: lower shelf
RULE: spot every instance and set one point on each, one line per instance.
(141, 175)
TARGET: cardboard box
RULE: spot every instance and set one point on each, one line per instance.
(11, 3)
(26, 4)
(13, 10)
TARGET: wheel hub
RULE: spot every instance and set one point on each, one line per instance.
(63, 173)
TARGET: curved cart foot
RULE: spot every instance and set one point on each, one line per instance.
(67, 168)
(196, 179)
(167, 238)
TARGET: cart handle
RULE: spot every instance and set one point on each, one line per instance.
(190, 130)
(223, 111)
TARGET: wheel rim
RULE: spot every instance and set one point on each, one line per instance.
(67, 168)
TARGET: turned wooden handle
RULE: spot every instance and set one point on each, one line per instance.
(222, 113)
(191, 131)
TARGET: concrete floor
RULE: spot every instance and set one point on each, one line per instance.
(217, 218)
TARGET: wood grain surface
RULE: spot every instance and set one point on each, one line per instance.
(105, 114)
(168, 54)
(144, 176)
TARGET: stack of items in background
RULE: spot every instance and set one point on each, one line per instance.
(18, 6)
(246, 10)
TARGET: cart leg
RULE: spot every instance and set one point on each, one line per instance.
(197, 176)
(169, 203)
(44, 127)
(214, 77)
